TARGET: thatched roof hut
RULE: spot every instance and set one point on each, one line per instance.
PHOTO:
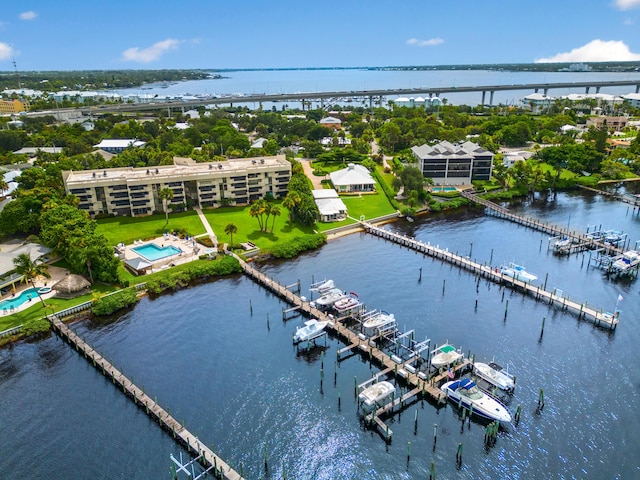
(71, 286)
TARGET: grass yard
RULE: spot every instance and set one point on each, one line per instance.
(128, 229)
(248, 229)
(38, 311)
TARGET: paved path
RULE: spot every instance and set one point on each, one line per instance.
(207, 227)
(308, 171)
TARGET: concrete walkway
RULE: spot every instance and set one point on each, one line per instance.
(207, 227)
(308, 171)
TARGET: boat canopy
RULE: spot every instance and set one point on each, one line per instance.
(467, 384)
(447, 349)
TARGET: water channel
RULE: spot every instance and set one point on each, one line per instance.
(238, 382)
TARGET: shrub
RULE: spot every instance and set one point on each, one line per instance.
(112, 303)
(34, 326)
(197, 270)
(299, 244)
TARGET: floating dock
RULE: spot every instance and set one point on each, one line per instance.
(207, 457)
(539, 293)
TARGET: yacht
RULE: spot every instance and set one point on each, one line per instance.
(465, 393)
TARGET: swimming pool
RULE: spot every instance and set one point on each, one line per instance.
(15, 302)
(153, 252)
(444, 189)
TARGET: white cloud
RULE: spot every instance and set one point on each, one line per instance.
(6, 52)
(595, 51)
(627, 4)
(152, 53)
(425, 43)
(30, 15)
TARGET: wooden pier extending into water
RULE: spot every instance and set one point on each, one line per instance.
(417, 382)
(552, 230)
(633, 200)
(539, 293)
(207, 457)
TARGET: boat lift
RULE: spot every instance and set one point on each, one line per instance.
(183, 468)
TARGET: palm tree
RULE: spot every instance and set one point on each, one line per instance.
(4, 186)
(31, 270)
(275, 211)
(165, 194)
(291, 201)
(230, 229)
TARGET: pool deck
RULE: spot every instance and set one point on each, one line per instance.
(190, 251)
(56, 273)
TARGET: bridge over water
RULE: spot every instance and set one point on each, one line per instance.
(367, 94)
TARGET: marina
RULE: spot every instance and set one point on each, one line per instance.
(278, 407)
(540, 293)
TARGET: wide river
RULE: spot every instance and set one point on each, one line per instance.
(239, 384)
(329, 80)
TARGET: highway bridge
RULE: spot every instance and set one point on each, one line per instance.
(365, 94)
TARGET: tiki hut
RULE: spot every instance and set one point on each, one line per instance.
(71, 286)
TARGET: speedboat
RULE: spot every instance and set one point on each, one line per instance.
(312, 329)
(378, 320)
(445, 355)
(347, 303)
(376, 393)
(495, 375)
(517, 272)
(323, 287)
(466, 393)
(562, 246)
(627, 261)
(329, 298)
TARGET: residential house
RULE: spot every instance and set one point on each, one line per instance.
(331, 122)
(353, 179)
(330, 207)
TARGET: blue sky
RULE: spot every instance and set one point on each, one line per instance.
(75, 35)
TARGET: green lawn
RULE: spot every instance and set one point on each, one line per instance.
(38, 311)
(128, 229)
(248, 229)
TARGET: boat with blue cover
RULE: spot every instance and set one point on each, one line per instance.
(466, 393)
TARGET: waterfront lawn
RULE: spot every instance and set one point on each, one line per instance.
(37, 311)
(127, 229)
(248, 229)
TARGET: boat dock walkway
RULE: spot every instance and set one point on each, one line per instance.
(626, 198)
(552, 230)
(538, 292)
(417, 382)
(210, 460)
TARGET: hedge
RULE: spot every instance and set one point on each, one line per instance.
(299, 244)
(112, 303)
(196, 271)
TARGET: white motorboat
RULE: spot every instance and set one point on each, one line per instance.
(323, 287)
(445, 355)
(517, 272)
(376, 393)
(495, 375)
(347, 303)
(465, 392)
(329, 298)
(312, 329)
(378, 320)
(562, 246)
(626, 263)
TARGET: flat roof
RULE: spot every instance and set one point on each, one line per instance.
(167, 173)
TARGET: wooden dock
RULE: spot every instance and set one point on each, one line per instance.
(583, 310)
(349, 337)
(626, 198)
(533, 223)
(208, 458)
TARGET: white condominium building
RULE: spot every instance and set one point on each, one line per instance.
(134, 191)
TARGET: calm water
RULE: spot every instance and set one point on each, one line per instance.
(290, 81)
(242, 387)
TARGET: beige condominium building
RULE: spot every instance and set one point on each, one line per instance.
(134, 191)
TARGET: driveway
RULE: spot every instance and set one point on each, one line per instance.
(308, 171)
